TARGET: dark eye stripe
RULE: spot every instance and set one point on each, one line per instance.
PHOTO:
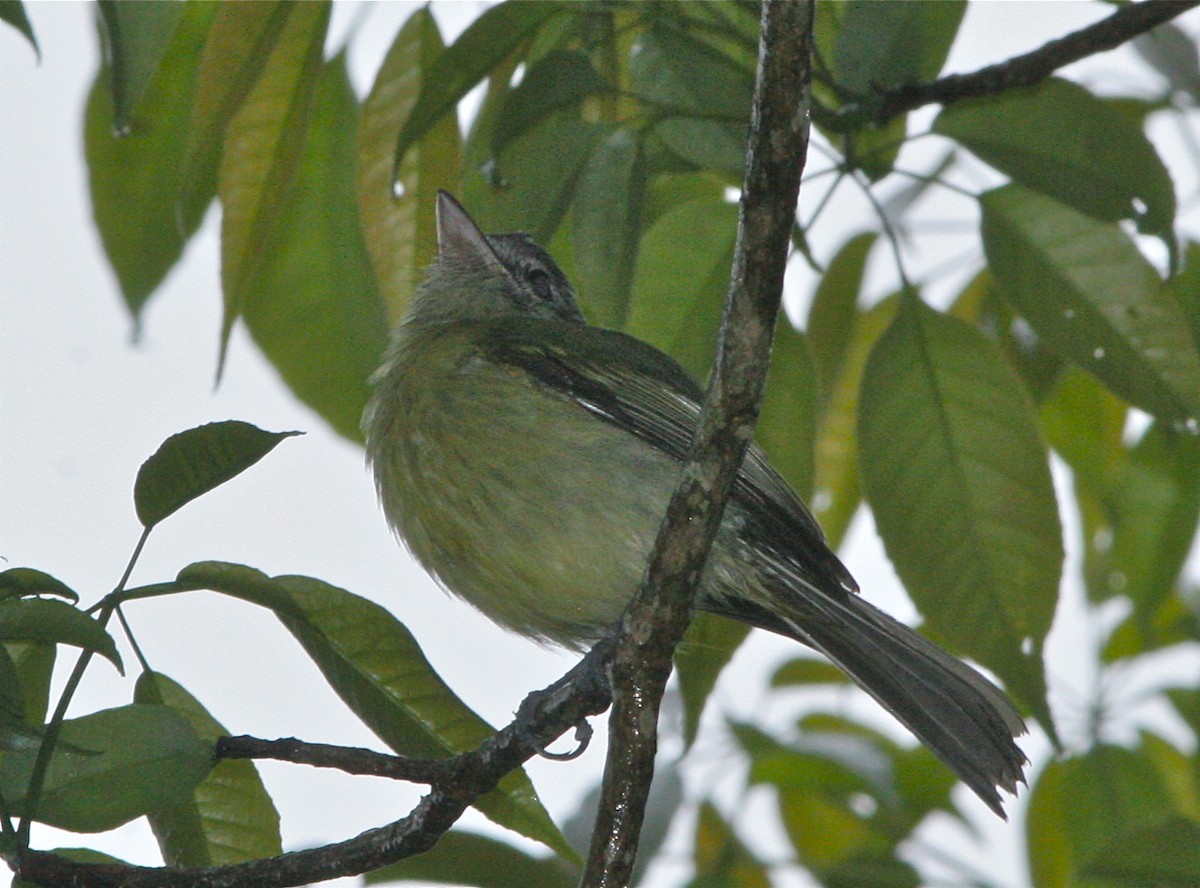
(542, 285)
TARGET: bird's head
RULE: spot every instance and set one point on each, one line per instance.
(481, 277)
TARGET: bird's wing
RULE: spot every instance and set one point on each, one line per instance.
(646, 393)
(950, 707)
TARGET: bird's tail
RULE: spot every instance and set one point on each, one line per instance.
(961, 716)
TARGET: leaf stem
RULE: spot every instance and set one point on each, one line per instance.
(41, 764)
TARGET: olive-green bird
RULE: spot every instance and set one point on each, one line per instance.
(526, 459)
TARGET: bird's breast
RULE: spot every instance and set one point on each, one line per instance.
(507, 493)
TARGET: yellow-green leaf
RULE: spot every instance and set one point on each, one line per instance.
(1085, 288)
(959, 482)
(190, 464)
(398, 219)
(376, 666)
(1061, 140)
(834, 310)
(229, 818)
(836, 493)
(113, 765)
(1087, 812)
(143, 208)
(261, 156)
(463, 858)
(136, 37)
(312, 304)
(681, 281)
(13, 12)
(480, 49)
(606, 226)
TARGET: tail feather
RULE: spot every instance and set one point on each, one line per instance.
(964, 719)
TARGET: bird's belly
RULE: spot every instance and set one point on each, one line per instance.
(508, 497)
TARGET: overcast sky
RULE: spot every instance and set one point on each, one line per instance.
(81, 407)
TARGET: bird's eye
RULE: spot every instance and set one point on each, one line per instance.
(540, 281)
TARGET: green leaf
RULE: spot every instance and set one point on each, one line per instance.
(874, 150)
(79, 855)
(606, 226)
(1184, 288)
(666, 191)
(981, 304)
(311, 304)
(1059, 139)
(190, 464)
(1174, 623)
(13, 12)
(496, 84)
(1172, 53)
(1085, 424)
(463, 858)
(17, 734)
(34, 663)
(834, 310)
(681, 279)
(879, 45)
(136, 38)
(1090, 811)
(708, 646)
(679, 74)
(21, 582)
(138, 759)
(815, 783)
(54, 622)
(1178, 772)
(136, 182)
(702, 97)
(835, 460)
(12, 695)
(924, 783)
(531, 184)
(261, 154)
(829, 763)
(480, 49)
(721, 857)
(959, 482)
(1086, 289)
(880, 869)
(237, 47)
(1187, 703)
(1166, 855)
(375, 665)
(559, 79)
(806, 671)
(400, 231)
(1152, 502)
(787, 427)
(822, 780)
(229, 818)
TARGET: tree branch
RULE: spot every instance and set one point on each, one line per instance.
(661, 611)
(543, 716)
(350, 760)
(1028, 69)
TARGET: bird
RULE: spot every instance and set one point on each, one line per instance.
(526, 457)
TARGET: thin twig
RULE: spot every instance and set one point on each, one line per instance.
(543, 716)
(349, 760)
(1032, 67)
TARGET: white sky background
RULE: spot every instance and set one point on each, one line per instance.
(81, 408)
